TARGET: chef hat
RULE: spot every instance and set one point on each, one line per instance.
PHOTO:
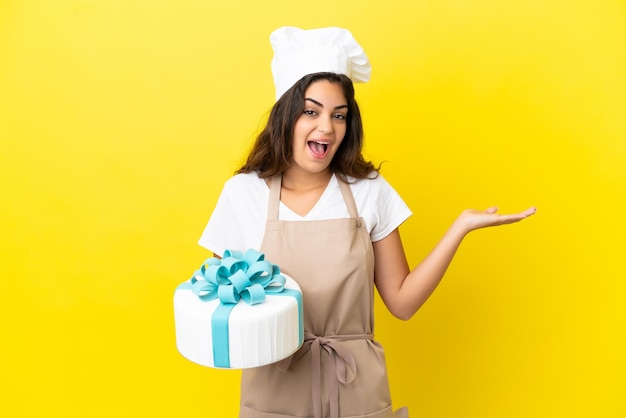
(299, 52)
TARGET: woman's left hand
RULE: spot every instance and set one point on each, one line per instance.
(471, 219)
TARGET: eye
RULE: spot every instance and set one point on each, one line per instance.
(309, 112)
(339, 116)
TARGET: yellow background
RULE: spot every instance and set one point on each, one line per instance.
(120, 120)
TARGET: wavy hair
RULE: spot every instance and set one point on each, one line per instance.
(272, 151)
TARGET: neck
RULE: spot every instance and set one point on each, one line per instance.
(299, 180)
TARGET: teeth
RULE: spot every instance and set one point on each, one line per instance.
(324, 144)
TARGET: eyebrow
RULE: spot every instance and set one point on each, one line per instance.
(345, 106)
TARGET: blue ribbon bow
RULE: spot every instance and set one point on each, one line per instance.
(237, 277)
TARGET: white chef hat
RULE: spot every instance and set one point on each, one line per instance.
(299, 52)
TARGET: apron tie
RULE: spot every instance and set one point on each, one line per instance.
(341, 369)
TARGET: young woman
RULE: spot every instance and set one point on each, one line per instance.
(309, 201)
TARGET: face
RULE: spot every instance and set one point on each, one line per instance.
(318, 132)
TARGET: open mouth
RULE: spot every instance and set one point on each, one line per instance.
(319, 149)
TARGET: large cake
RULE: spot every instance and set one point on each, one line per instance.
(238, 312)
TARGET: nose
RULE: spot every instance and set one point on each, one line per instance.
(325, 125)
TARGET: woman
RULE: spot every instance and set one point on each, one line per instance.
(308, 200)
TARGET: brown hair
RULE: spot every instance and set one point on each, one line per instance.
(272, 150)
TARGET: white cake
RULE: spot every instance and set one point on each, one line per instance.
(250, 335)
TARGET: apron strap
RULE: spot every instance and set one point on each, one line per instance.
(272, 206)
(348, 198)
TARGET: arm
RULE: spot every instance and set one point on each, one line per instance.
(404, 291)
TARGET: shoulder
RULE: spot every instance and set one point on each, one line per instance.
(382, 208)
(241, 186)
(372, 193)
(241, 191)
(374, 183)
(244, 180)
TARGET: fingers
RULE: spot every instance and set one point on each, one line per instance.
(518, 216)
(530, 211)
(524, 214)
(492, 218)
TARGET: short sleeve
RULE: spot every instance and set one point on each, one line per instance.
(238, 219)
(388, 209)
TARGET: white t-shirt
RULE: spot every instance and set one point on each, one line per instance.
(238, 220)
